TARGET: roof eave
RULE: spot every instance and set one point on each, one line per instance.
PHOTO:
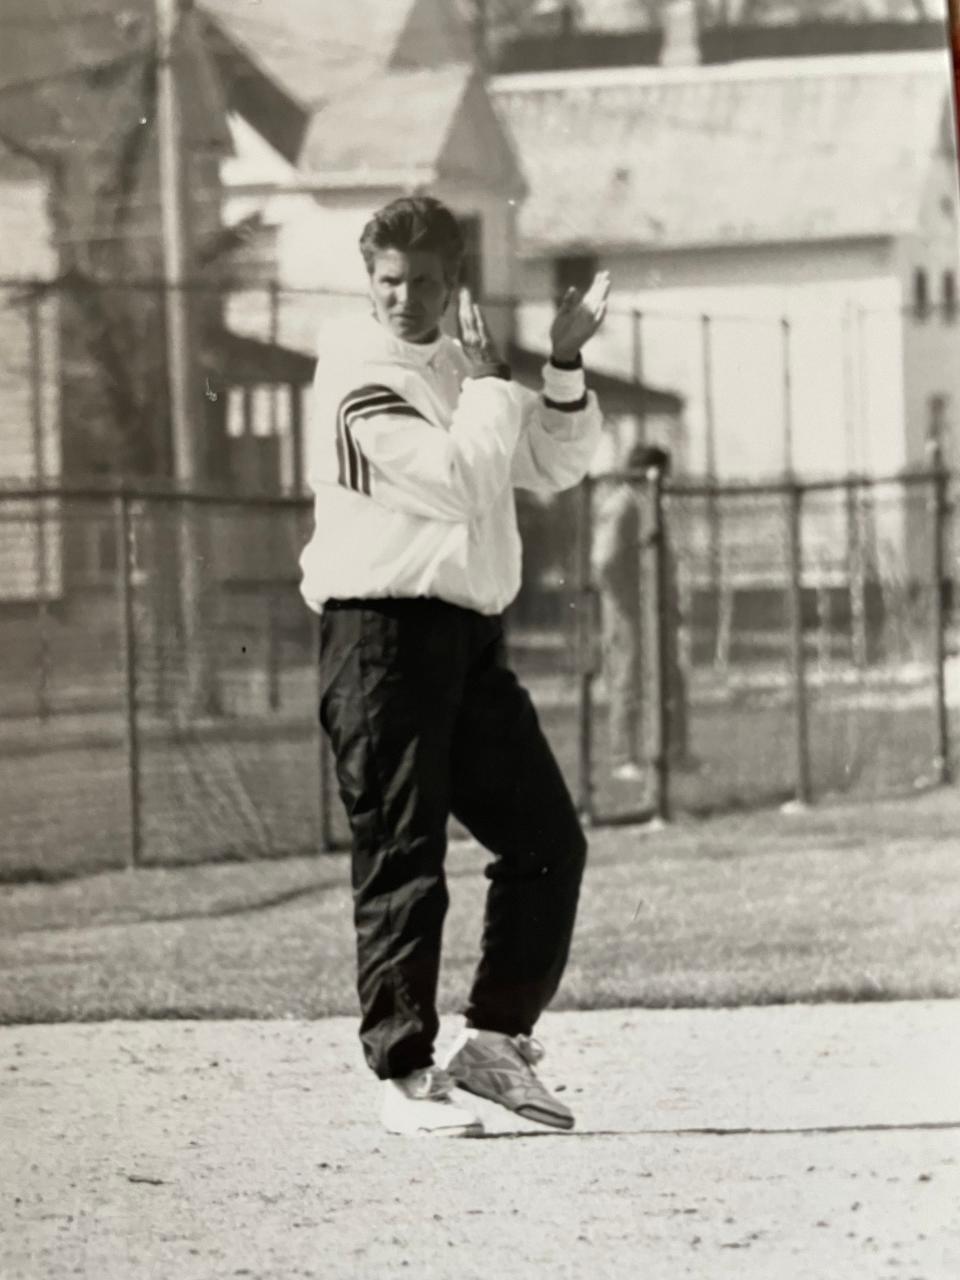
(514, 185)
(534, 249)
(277, 114)
(345, 181)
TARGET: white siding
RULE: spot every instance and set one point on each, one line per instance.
(30, 562)
(932, 345)
(843, 307)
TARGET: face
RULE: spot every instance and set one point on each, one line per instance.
(410, 292)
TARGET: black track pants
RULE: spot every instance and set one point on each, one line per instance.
(425, 719)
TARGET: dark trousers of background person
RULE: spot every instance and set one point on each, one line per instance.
(426, 720)
(630, 641)
(624, 675)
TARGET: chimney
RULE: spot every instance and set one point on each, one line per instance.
(680, 45)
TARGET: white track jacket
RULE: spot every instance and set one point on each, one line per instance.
(413, 465)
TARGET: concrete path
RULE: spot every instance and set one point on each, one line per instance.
(801, 1142)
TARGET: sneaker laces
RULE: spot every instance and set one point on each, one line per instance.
(529, 1049)
(434, 1085)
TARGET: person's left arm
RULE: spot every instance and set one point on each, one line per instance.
(561, 426)
(559, 434)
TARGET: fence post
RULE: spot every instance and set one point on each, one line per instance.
(939, 481)
(797, 653)
(128, 630)
(585, 640)
(273, 515)
(636, 342)
(660, 665)
(710, 449)
(857, 574)
(273, 645)
(786, 334)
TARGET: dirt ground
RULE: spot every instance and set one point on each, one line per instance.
(799, 1142)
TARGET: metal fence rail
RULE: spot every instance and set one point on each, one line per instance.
(800, 643)
(158, 678)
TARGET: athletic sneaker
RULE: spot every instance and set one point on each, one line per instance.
(420, 1103)
(500, 1068)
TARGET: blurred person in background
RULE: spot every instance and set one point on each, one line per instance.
(418, 441)
(623, 564)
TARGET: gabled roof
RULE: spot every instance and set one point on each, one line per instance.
(410, 129)
(77, 75)
(362, 93)
(286, 63)
(397, 124)
(750, 153)
(320, 49)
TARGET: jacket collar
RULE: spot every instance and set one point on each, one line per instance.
(381, 344)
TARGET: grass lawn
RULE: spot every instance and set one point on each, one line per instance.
(841, 903)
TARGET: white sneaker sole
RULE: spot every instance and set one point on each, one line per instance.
(449, 1131)
(551, 1119)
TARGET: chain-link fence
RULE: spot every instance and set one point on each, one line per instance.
(764, 644)
(689, 649)
(157, 689)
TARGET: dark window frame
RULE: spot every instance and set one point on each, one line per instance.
(576, 269)
(921, 293)
(948, 294)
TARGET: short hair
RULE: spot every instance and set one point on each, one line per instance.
(644, 456)
(415, 223)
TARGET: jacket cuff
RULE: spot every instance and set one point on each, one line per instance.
(576, 363)
(564, 388)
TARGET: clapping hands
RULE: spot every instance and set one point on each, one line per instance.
(579, 317)
(475, 339)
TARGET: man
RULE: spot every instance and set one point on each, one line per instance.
(414, 556)
(623, 565)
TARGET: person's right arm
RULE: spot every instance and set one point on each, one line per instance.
(389, 452)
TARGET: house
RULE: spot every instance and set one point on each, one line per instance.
(82, 311)
(324, 135)
(79, 99)
(334, 110)
(539, 35)
(30, 563)
(823, 194)
(783, 239)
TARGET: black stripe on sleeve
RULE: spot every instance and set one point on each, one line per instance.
(353, 461)
(366, 402)
(572, 406)
(341, 459)
(364, 472)
(369, 399)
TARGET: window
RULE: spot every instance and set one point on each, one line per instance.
(93, 552)
(259, 430)
(937, 421)
(575, 269)
(949, 296)
(921, 293)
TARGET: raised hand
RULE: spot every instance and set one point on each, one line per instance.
(475, 339)
(579, 317)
